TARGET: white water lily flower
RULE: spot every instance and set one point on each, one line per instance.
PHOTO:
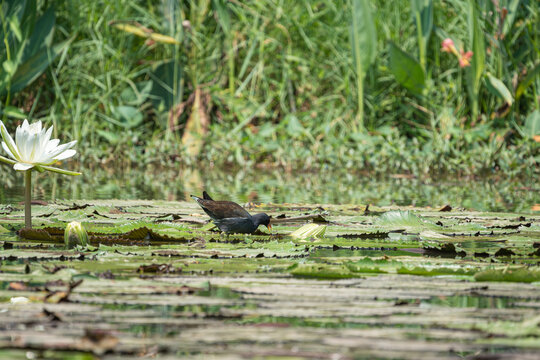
(33, 148)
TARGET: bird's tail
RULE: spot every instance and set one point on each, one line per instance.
(206, 196)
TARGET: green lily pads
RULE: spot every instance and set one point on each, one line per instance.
(154, 276)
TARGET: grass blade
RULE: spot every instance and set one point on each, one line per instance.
(364, 47)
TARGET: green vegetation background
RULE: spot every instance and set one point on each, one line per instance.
(275, 83)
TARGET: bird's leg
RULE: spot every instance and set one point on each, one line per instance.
(223, 233)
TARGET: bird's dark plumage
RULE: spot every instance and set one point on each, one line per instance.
(230, 217)
(206, 196)
(243, 225)
(221, 209)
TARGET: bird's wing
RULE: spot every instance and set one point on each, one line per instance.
(222, 209)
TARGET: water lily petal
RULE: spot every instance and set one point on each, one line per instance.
(20, 132)
(34, 148)
(27, 139)
(25, 125)
(65, 155)
(35, 128)
(60, 149)
(22, 166)
(51, 145)
(22, 140)
(44, 139)
(42, 156)
(26, 149)
(71, 143)
(9, 142)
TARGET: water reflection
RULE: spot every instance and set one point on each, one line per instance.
(470, 301)
(273, 186)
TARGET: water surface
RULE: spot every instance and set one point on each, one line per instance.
(323, 187)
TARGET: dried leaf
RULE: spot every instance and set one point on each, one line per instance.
(197, 123)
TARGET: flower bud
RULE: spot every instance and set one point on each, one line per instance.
(309, 231)
(75, 234)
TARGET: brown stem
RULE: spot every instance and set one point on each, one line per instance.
(28, 199)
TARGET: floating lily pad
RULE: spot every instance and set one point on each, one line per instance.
(381, 284)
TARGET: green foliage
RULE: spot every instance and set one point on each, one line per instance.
(422, 12)
(528, 80)
(407, 71)
(286, 82)
(164, 79)
(364, 47)
(476, 69)
(498, 88)
(28, 48)
(532, 124)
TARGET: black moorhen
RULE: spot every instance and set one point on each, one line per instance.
(230, 217)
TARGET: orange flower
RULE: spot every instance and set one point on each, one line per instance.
(448, 46)
(464, 59)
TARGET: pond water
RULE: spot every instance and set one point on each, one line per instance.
(323, 187)
(147, 281)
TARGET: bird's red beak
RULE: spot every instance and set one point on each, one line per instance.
(269, 226)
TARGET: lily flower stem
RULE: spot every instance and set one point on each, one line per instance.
(28, 199)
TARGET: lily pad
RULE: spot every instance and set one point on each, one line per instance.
(388, 283)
